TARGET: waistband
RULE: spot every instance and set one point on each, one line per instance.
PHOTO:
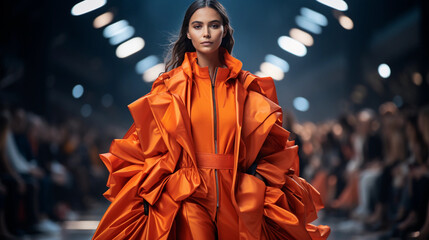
(215, 161)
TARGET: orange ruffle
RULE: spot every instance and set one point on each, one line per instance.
(148, 164)
(155, 162)
(290, 204)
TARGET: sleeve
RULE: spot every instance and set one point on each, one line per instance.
(139, 169)
(126, 159)
(143, 169)
(289, 204)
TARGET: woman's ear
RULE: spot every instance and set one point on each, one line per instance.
(225, 30)
(188, 35)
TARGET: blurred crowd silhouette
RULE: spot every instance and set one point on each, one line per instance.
(49, 172)
(372, 169)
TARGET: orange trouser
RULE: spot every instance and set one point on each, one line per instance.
(209, 211)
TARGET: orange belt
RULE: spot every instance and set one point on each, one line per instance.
(215, 161)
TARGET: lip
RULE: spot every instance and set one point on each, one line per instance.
(206, 43)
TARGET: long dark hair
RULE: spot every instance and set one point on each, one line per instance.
(177, 49)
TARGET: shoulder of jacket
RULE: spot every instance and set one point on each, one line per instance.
(247, 78)
(261, 85)
(161, 82)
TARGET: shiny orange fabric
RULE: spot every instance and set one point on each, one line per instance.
(203, 114)
(156, 161)
(215, 161)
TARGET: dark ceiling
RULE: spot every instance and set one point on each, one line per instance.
(46, 51)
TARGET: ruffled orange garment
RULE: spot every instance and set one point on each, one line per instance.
(156, 162)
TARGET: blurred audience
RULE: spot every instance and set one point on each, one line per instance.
(48, 172)
(6, 172)
(371, 168)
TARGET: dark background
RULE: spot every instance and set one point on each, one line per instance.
(45, 51)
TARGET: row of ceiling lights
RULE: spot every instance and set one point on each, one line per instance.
(309, 20)
(119, 33)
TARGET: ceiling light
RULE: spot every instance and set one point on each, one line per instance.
(130, 47)
(340, 5)
(86, 6)
(301, 36)
(293, 46)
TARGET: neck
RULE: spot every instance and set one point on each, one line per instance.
(211, 61)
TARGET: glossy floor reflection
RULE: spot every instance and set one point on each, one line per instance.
(343, 228)
(84, 227)
(80, 229)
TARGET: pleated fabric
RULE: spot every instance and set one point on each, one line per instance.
(157, 190)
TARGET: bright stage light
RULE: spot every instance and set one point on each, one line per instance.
(261, 74)
(152, 73)
(301, 36)
(130, 47)
(272, 70)
(115, 28)
(308, 25)
(346, 22)
(340, 5)
(293, 46)
(103, 20)
(77, 91)
(146, 63)
(122, 35)
(314, 16)
(301, 104)
(279, 62)
(86, 6)
(384, 70)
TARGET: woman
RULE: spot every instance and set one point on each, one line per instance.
(185, 169)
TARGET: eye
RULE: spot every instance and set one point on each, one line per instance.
(215, 26)
(197, 26)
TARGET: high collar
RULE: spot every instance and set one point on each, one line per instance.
(234, 65)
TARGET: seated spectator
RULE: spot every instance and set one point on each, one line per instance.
(4, 166)
(32, 175)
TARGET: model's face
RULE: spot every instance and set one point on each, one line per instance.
(206, 30)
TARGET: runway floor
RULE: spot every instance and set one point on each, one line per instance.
(84, 227)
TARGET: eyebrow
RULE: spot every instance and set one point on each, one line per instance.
(199, 22)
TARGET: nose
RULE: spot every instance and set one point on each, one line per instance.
(206, 32)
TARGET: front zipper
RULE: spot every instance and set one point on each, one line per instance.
(215, 133)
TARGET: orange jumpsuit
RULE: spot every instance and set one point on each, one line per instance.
(180, 171)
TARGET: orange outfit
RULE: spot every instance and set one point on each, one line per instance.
(187, 155)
